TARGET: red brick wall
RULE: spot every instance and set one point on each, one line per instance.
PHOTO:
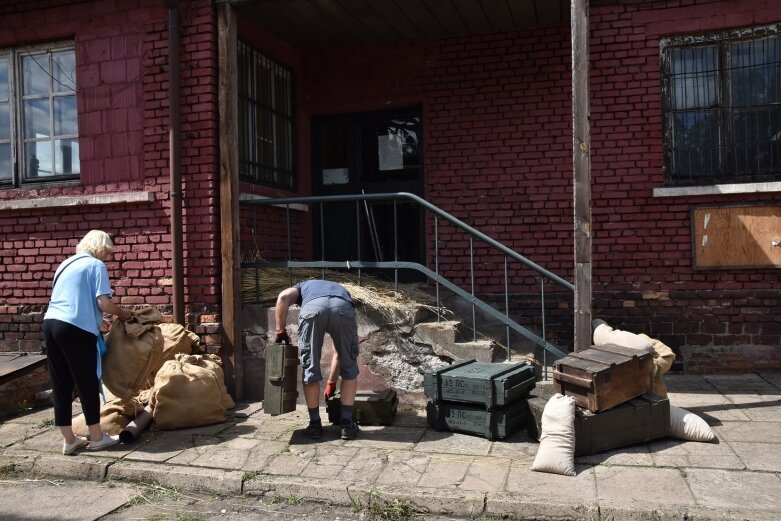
(720, 320)
(122, 83)
(497, 139)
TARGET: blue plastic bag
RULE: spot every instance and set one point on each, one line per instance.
(102, 347)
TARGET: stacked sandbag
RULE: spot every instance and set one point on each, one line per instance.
(134, 348)
(176, 340)
(190, 391)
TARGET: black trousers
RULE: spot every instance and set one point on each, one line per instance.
(73, 360)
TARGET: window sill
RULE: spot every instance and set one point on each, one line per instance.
(254, 197)
(78, 200)
(737, 188)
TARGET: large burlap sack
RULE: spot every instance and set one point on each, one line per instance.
(176, 340)
(134, 346)
(114, 416)
(190, 391)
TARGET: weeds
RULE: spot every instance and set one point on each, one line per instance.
(247, 476)
(292, 499)
(377, 508)
(10, 471)
(43, 424)
(155, 492)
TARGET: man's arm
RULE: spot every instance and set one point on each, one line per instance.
(284, 300)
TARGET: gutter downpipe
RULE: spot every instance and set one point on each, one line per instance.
(174, 160)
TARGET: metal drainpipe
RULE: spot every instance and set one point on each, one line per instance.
(174, 160)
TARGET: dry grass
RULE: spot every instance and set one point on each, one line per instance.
(372, 292)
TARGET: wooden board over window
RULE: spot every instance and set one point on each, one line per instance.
(737, 236)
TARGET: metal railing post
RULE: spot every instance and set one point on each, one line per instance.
(507, 308)
(289, 243)
(544, 352)
(395, 249)
(322, 239)
(472, 276)
(358, 236)
(436, 264)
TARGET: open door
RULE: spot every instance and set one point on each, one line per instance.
(369, 153)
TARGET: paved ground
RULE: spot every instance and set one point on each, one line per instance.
(258, 456)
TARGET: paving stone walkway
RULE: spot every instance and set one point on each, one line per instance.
(739, 477)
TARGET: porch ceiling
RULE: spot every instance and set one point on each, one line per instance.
(342, 23)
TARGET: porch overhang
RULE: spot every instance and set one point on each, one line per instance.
(347, 23)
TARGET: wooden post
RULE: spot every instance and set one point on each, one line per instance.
(581, 159)
(229, 200)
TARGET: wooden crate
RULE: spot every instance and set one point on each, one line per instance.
(604, 376)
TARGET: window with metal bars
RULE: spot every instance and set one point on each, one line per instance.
(722, 107)
(265, 120)
(39, 134)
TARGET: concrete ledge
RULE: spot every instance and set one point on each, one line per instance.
(23, 463)
(78, 200)
(430, 500)
(182, 478)
(527, 508)
(72, 467)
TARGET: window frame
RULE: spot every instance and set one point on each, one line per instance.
(285, 179)
(726, 173)
(19, 169)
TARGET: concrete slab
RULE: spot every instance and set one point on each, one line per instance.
(154, 447)
(434, 442)
(41, 416)
(404, 469)
(687, 382)
(735, 492)
(365, 467)
(73, 500)
(11, 433)
(326, 462)
(714, 408)
(445, 471)
(759, 456)
(397, 438)
(286, 464)
(678, 453)
(181, 478)
(774, 377)
(517, 445)
(758, 407)
(737, 383)
(247, 409)
(758, 432)
(259, 457)
(72, 467)
(640, 487)
(486, 475)
(634, 455)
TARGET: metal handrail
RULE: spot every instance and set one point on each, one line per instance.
(434, 275)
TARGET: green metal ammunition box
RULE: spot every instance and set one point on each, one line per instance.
(639, 420)
(492, 385)
(496, 423)
(370, 408)
(280, 392)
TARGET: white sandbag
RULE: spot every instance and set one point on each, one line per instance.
(605, 334)
(557, 441)
(685, 425)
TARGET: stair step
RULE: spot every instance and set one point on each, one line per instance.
(480, 350)
(437, 333)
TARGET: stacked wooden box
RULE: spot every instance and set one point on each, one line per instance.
(479, 398)
(611, 386)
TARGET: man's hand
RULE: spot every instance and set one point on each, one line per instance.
(330, 389)
(281, 337)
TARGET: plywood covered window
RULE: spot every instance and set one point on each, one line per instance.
(39, 132)
(265, 120)
(722, 107)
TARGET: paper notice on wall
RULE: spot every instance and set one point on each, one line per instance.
(389, 151)
(336, 176)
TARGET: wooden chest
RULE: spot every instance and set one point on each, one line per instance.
(639, 420)
(370, 408)
(604, 376)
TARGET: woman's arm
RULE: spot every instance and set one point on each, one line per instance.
(106, 305)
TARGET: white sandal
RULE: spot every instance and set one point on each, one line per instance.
(69, 449)
(105, 442)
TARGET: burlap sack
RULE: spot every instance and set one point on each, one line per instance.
(189, 391)
(114, 416)
(134, 347)
(176, 340)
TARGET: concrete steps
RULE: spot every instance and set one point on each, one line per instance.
(445, 338)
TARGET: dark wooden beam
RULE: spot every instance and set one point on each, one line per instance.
(229, 200)
(581, 159)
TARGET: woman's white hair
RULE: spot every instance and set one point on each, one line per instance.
(97, 243)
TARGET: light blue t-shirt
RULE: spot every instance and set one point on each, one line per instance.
(83, 279)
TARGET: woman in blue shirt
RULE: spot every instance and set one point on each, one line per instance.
(81, 293)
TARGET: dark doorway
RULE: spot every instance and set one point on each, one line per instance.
(369, 153)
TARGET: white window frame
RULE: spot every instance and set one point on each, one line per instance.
(19, 169)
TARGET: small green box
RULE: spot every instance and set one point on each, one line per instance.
(492, 424)
(370, 408)
(492, 385)
(280, 392)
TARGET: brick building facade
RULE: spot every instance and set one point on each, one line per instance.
(496, 119)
